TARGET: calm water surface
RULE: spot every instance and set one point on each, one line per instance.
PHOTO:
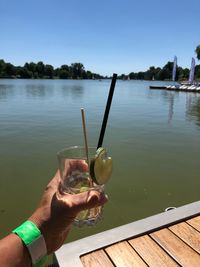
(152, 135)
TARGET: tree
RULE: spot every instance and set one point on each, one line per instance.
(166, 72)
(2, 67)
(197, 71)
(49, 71)
(182, 74)
(24, 73)
(140, 75)
(64, 72)
(197, 50)
(163, 74)
(9, 70)
(27, 71)
(132, 75)
(157, 73)
(40, 67)
(89, 74)
(77, 70)
(150, 73)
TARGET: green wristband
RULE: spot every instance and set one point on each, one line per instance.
(34, 241)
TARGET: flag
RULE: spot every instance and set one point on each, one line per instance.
(174, 69)
(192, 69)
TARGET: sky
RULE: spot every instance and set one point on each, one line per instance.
(107, 36)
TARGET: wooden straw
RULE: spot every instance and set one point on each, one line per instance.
(85, 135)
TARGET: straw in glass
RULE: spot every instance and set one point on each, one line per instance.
(107, 109)
(85, 135)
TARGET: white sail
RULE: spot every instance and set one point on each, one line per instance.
(192, 69)
(174, 69)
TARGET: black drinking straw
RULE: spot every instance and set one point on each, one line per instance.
(105, 118)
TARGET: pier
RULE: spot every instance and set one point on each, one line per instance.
(170, 238)
(179, 88)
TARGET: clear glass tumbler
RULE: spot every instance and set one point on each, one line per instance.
(74, 171)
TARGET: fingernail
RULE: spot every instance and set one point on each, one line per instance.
(106, 196)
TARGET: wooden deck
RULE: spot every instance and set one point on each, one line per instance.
(171, 238)
(177, 245)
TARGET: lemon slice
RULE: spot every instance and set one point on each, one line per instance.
(84, 189)
(101, 167)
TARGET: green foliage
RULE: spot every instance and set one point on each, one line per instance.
(77, 71)
(197, 72)
(197, 50)
(161, 74)
(45, 71)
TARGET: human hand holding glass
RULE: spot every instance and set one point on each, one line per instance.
(57, 210)
(76, 178)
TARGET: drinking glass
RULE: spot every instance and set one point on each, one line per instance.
(75, 176)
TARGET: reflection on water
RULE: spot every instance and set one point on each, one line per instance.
(193, 108)
(41, 89)
(6, 90)
(38, 90)
(191, 101)
(76, 91)
(171, 108)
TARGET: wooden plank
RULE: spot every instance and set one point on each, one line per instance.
(152, 253)
(123, 255)
(195, 222)
(176, 248)
(96, 259)
(69, 254)
(188, 234)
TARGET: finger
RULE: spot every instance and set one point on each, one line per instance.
(88, 200)
(54, 183)
(80, 165)
(71, 165)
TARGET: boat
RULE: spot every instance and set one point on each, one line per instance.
(173, 77)
(157, 87)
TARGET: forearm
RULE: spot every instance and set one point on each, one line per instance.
(13, 253)
(49, 225)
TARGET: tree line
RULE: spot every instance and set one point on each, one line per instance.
(165, 73)
(45, 71)
(77, 71)
(162, 74)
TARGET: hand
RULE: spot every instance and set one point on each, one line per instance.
(57, 211)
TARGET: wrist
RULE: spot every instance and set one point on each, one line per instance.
(33, 241)
(40, 220)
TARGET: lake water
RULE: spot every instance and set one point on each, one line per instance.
(152, 135)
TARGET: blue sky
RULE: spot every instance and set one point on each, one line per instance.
(106, 36)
